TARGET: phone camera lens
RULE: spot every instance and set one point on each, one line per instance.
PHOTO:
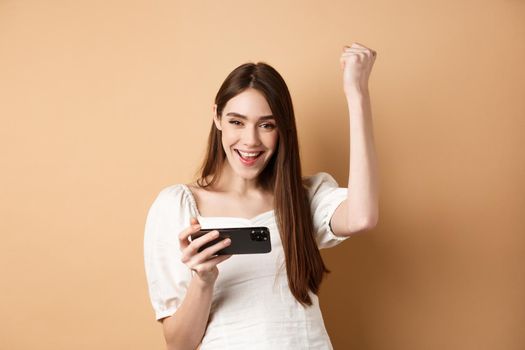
(259, 235)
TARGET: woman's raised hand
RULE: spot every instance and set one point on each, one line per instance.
(357, 62)
(202, 263)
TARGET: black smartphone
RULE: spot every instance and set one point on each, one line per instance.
(244, 240)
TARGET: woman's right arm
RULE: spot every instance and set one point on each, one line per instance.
(185, 329)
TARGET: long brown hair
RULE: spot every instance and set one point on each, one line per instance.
(282, 174)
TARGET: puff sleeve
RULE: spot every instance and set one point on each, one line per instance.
(167, 277)
(325, 196)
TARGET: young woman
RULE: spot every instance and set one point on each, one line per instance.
(251, 176)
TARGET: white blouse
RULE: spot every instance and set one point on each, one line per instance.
(252, 306)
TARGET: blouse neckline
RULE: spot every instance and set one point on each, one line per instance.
(193, 203)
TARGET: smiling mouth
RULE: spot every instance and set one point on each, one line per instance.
(249, 156)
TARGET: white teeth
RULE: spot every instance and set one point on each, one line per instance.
(250, 154)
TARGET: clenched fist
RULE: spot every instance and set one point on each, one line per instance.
(356, 62)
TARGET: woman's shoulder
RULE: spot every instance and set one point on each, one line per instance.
(174, 202)
(172, 191)
(319, 185)
(175, 194)
(319, 179)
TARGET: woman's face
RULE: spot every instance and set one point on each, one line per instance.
(249, 133)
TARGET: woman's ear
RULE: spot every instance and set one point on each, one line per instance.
(216, 119)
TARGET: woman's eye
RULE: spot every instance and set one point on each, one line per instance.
(268, 126)
(235, 122)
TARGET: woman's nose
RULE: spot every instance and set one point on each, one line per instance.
(251, 137)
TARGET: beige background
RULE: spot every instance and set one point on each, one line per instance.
(104, 103)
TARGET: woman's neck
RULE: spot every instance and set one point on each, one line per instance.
(229, 181)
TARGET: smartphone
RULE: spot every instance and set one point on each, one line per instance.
(244, 240)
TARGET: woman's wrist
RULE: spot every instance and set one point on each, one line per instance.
(357, 99)
(202, 284)
(356, 92)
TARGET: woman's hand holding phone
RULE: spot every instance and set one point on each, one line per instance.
(203, 263)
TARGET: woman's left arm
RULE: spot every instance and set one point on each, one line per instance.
(359, 212)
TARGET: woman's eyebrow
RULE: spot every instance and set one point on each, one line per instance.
(233, 114)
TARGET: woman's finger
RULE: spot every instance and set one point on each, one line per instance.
(193, 248)
(210, 263)
(356, 44)
(356, 57)
(183, 236)
(359, 56)
(356, 52)
(360, 48)
(354, 49)
(209, 252)
(197, 243)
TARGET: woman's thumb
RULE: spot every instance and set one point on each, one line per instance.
(194, 221)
